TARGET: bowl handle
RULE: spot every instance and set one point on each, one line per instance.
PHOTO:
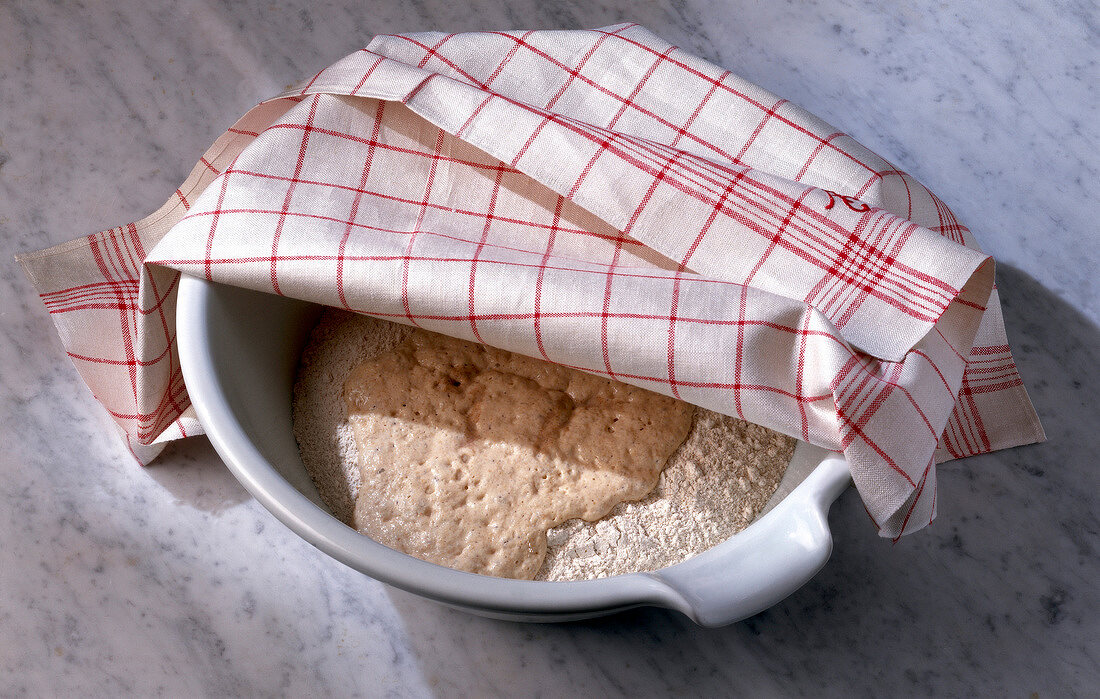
(767, 561)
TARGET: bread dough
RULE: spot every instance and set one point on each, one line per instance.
(469, 454)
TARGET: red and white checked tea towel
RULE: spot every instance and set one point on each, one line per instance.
(600, 199)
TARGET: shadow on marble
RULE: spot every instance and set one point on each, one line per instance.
(1007, 568)
(1057, 349)
(194, 474)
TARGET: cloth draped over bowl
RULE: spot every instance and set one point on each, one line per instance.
(600, 199)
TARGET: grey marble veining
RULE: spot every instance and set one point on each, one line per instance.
(172, 581)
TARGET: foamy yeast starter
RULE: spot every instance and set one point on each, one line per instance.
(467, 456)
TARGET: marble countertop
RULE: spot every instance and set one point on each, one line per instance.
(171, 580)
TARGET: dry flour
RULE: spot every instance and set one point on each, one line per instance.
(714, 485)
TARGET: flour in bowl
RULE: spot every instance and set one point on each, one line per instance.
(714, 484)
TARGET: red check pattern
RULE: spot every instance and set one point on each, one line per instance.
(600, 199)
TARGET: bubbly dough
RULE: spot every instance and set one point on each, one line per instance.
(469, 454)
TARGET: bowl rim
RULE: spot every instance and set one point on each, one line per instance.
(668, 587)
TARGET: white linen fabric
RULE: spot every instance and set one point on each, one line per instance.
(600, 199)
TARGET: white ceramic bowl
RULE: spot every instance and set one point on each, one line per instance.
(239, 350)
